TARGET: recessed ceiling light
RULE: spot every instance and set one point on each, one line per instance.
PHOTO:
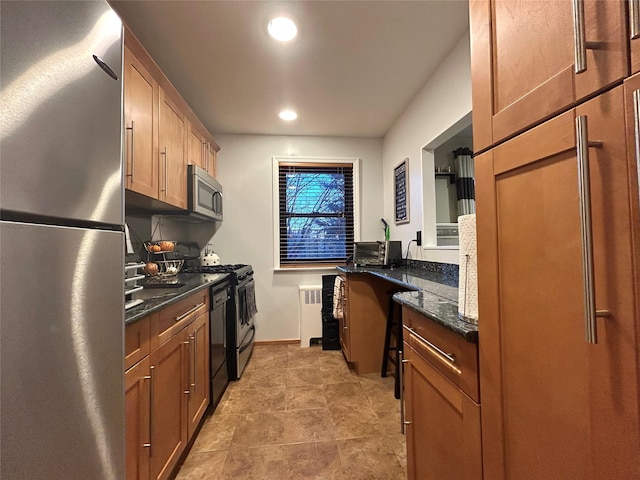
(282, 29)
(288, 115)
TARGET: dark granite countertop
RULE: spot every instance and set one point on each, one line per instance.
(430, 296)
(157, 298)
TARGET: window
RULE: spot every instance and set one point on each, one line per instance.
(316, 211)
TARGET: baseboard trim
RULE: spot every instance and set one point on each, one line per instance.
(293, 341)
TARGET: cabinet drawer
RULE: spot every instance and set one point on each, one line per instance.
(175, 317)
(449, 353)
(136, 341)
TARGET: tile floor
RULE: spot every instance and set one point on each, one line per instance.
(300, 413)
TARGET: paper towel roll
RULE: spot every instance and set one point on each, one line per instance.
(468, 274)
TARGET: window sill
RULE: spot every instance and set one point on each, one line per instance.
(305, 269)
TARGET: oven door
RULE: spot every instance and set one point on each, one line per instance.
(245, 327)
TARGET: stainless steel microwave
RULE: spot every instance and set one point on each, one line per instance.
(379, 254)
(204, 194)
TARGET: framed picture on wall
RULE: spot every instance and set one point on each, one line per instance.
(401, 192)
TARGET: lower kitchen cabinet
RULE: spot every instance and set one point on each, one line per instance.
(198, 372)
(362, 332)
(442, 421)
(138, 428)
(167, 391)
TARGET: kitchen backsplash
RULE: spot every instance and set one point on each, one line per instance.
(446, 273)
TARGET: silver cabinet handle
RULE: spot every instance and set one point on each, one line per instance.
(194, 354)
(579, 41)
(187, 390)
(189, 312)
(584, 199)
(634, 19)
(580, 49)
(133, 136)
(402, 406)
(164, 163)
(447, 356)
(636, 126)
(206, 156)
(151, 395)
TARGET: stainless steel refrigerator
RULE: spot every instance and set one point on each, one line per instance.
(61, 242)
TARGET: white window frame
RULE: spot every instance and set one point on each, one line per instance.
(276, 160)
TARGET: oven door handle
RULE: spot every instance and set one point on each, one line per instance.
(248, 343)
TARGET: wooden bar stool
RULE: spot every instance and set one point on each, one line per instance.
(392, 344)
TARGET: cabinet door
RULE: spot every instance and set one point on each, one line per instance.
(345, 327)
(632, 101)
(524, 63)
(198, 371)
(172, 135)
(554, 405)
(212, 151)
(138, 429)
(141, 124)
(198, 148)
(443, 429)
(169, 390)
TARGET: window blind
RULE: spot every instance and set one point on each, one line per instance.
(316, 213)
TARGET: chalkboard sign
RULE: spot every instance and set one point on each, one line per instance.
(401, 191)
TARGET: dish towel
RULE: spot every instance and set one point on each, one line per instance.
(252, 309)
(338, 297)
(468, 274)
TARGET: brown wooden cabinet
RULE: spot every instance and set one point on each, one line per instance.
(362, 329)
(198, 151)
(172, 128)
(523, 61)
(212, 152)
(162, 133)
(442, 421)
(553, 404)
(141, 127)
(138, 428)
(198, 371)
(167, 390)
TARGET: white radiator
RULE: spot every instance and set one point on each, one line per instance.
(309, 314)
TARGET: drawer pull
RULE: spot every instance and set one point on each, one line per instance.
(189, 312)
(449, 357)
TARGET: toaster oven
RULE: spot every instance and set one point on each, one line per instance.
(380, 254)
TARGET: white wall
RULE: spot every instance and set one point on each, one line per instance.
(244, 168)
(444, 100)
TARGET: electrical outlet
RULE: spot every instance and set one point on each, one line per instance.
(419, 237)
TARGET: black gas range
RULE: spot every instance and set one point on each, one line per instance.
(240, 311)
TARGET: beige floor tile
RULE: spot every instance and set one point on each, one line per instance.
(264, 378)
(369, 458)
(262, 463)
(399, 445)
(314, 461)
(258, 429)
(203, 466)
(345, 395)
(303, 376)
(257, 400)
(305, 397)
(307, 426)
(216, 433)
(354, 422)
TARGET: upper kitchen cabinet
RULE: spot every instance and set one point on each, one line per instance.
(532, 60)
(162, 133)
(141, 127)
(172, 128)
(212, 152)
(202, 148)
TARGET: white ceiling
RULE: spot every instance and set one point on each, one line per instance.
(352, 70)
